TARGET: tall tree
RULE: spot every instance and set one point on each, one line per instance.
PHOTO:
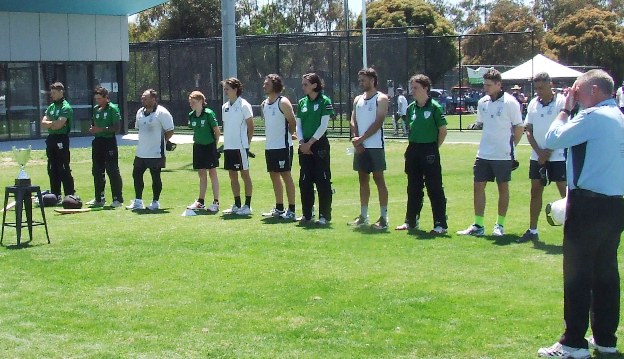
(590, 37)
(435, 59)
(505, 49)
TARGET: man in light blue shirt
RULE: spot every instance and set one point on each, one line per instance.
(594, 216)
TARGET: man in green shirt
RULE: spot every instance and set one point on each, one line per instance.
(427, 131)
(57, 120)
(313, 114)
(104, 152)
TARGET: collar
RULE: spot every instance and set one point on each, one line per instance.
(498, 96)
(104, 107)
(540, 100)
(60, 101)
(427, 104)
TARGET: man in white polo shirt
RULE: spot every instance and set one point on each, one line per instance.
(499, 113)
(155, 126)
(546, 165)
(238, 130)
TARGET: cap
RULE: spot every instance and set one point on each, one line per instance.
(516, 87)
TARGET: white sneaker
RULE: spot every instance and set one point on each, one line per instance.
(403, 227)
(154, 206)
(289, 215)
(473, 230)
(245, 210)
(196, 206)
(322, 221)
(95, 203)
(498, 231)
(438, 230)
(233, 210)
(599, 348)
(116, 204)
(214, 208)
(275, 213)
(359, 221)
(559, 350)
(136, 204)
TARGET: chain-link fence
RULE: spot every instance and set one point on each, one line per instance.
(175, 68)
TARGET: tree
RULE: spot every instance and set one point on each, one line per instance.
(552, 12)
(511, 49)
(399, 13)
(590, 37)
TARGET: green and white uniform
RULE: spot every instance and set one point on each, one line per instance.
(57, 148)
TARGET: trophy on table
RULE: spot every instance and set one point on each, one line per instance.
(22, 155)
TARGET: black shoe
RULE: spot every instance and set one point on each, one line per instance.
(528, 236)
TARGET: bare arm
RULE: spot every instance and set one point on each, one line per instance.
(288, 112)
(250, 129)
(518, 131)
(542, 154)
(442, 131)
(168, 135)
(58, 124)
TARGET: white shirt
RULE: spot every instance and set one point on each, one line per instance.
(401, 105)
(276, 126)
(235, 124)
(152, 128)
(498, 119)
(541, 117)
(619, 96)
(365, 115)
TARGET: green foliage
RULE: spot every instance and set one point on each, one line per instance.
(591, 36)
(398, 13)
(506, 16)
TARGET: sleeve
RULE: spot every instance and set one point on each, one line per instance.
(299, 129)
(530, 112)
(320, 131)
(166, 120)
(440, 119)
(66, 111)
(212, 117)
(136, 118)
(247, 110)
(567, 134)
(329, 108)
(115, 115)
(515, 113)
(479, 112)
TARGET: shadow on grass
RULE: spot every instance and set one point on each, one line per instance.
(147, 211)
(425, 235)
(313, 225)
(22, 245)
(370, 230)
(550, 249)
(233, 217)
(205, 213)
(505, 240)
(276, 220)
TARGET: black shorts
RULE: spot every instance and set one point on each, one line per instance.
(151, 163)
(236, 160)
(556, 171)
(488, 170)
(205, 156)
(279, 160)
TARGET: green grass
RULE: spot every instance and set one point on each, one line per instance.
(118, 284)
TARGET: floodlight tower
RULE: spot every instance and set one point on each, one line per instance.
(228, 39)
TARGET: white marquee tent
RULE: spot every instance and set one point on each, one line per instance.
(540, 63)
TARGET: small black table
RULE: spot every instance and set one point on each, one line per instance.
(23, 201)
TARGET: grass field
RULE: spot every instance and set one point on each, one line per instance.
(118, 284)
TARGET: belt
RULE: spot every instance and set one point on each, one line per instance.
(578, 192)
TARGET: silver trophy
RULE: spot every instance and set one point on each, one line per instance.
(22, 155)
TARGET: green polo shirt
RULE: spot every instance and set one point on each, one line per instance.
(107, 116)
(60, 109)
(203, 125)
(310, 113)
(425, 121)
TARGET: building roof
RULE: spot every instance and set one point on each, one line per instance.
(87, 7)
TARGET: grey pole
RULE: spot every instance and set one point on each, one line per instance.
(228, 36)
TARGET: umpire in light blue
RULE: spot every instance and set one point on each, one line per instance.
(594, 215)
